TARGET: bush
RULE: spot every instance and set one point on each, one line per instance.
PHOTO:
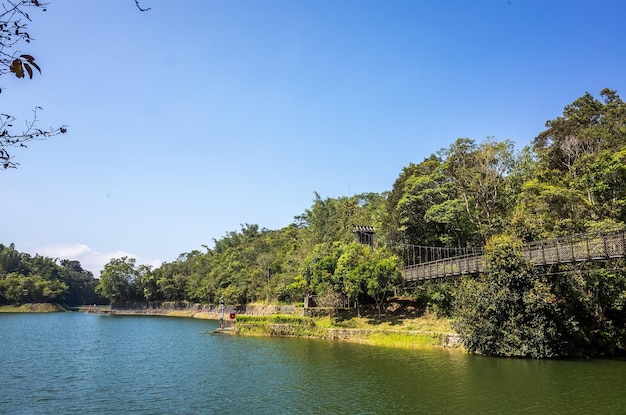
(510, 310)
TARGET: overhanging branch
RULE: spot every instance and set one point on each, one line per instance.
(139, 7)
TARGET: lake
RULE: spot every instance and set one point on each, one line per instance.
(74, 363)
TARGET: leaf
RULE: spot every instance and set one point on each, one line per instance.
(17, 69)
(31, 60)
(29, 70)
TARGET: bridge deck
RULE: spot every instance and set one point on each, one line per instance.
(579, 248)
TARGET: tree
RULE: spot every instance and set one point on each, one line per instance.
(81, 284)
(509, 311)
(318, 268)
(550, 208)
(18, 288)
(417, 189)
(146, 283)
(349, 272)
(513, 309)
(15, 288)
(578, 180)
(26, 278)
(481, 173)
(118, 280)
(10, 260)
(14, 19)
(436, 296)
(381, 275)
(456, 198)
(587, 127)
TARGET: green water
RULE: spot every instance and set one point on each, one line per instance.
(73, 363)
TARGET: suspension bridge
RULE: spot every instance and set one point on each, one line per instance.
(426, 263)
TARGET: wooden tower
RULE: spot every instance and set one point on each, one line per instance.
(365, 235)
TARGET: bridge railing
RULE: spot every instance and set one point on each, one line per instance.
(461, 265)
(575, 248)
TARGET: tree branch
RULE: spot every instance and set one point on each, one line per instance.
(32, 132)
(139, 7)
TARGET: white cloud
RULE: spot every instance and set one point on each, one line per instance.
(90, 259)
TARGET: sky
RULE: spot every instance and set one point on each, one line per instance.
(198, 116)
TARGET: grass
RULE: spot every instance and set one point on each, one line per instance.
(275, 319)
(403, 340)
(425, 323)
(278, 325)
(425, 331)
(31, 308)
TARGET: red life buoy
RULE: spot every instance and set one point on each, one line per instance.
(232, 316)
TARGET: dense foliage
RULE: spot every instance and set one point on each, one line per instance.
(513, 309)
(33, 279)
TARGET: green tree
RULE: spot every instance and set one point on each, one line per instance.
(349, 273)
(510, 310)
(549, 208)
(10, 260)
(381, 276)
(18, 289)
(318, 268)
(436, 296)
(586, 127)
(419, 187)
(579, 177)
(27, 278)
(15, 288)
(481, 173)
(81, 283)
(118, 280)
(457, 198)
(514, 309)
(44, 290)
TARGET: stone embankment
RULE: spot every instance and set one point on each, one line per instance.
(199, 310)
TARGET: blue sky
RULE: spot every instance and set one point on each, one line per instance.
(200, 115)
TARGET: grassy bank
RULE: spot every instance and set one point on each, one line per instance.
(413, 333)
(31, 308)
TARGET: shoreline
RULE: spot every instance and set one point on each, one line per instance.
(418, 332)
